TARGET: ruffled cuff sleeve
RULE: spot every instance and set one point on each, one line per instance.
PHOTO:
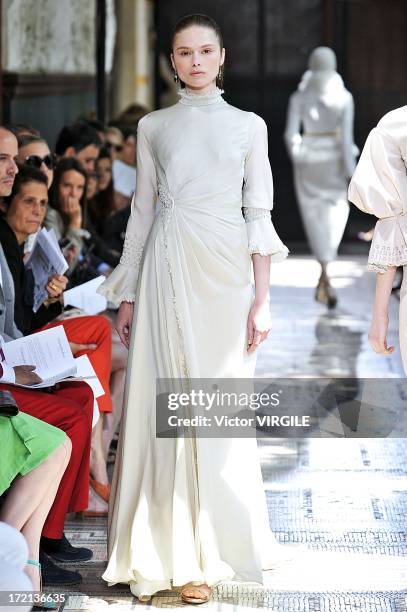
(389, 244)
(262, 237)
(379, 187)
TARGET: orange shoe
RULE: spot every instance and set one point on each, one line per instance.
(103, 490)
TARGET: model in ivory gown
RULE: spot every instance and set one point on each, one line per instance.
(186, 511)
(379, 187)
(319, 139)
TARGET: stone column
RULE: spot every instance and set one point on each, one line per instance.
(134, 58)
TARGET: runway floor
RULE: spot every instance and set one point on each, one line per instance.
(340, 505)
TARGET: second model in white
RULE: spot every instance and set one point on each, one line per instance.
(319, 139)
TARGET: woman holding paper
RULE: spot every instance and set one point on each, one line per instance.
(191, 512)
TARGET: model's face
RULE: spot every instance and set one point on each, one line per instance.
(196, 57)
(8, 156)
(104, 171)
(88, 157)
(26, 212)
(40, 150)
(72, 185)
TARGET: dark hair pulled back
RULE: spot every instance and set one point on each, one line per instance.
(199, 19)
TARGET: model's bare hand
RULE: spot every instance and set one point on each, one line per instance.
(124, 321)
(378, 335)
(25, 375)
(258, 325)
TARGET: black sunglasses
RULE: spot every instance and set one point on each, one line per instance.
(111, 145)
(49, 160)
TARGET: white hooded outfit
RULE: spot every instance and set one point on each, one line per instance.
(319, 139)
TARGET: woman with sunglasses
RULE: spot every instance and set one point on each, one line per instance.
(114, 141)
(34, 151)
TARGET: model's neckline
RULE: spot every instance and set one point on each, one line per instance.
(194, 98)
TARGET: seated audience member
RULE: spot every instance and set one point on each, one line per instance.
(24, 211)
(13, 561)
(67, 213)
(81, 141)
(33, 456)
(124, 170)
(114, 141)
(101, 206)
(94, 123)
(34, 151)
(129, 151)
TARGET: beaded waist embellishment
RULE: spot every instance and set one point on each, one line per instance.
(167, 204)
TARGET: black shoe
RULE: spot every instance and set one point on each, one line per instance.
(63, 551)
(52, 575)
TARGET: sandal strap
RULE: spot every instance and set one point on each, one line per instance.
(201, 588)
(36, 564)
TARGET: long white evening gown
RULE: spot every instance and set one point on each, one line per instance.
(191, 510)
(319, 139)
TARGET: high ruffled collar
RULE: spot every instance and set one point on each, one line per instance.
(194, 98)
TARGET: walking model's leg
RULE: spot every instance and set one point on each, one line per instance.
(403, 319)
(324, 292)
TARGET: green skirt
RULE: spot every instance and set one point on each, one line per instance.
(25, 442)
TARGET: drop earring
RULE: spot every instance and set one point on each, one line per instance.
(175, 77)
(219, 78)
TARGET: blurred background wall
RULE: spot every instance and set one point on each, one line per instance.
(54, 51)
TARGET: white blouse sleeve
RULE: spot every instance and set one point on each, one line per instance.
(120, 286)
(379, 187)
(258, 196)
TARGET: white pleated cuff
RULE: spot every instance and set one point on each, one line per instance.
(263, 239)
(389, 244)
(120, 286)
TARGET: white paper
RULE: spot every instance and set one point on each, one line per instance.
(45, 260)
(47, 350)
(85, 297)
(85, 371)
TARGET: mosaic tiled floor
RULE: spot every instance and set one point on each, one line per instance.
(339, 506)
